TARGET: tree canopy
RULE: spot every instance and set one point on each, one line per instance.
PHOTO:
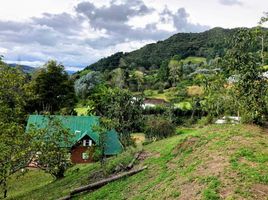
(53, 88)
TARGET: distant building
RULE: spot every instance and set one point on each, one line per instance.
(265, 74)
(84, 139)
(152, 102)
(229, 119)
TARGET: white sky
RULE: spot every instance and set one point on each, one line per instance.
(214, 14)
(24, 9)
(210, 13)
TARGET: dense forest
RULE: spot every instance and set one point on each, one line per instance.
(209, 44)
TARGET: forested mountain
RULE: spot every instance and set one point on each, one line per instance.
(208, 44)
(25, 68)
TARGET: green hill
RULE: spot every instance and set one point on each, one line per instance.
(215, 162)
(25, 68)
(207, 44)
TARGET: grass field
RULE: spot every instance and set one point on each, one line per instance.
(167, 95)
(194, 60)
(210, 163)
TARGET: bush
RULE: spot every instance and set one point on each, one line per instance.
(96, 155)
(157, 110)
(159, 128)
(205, 121)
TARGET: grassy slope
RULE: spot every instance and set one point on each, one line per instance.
(228, 162)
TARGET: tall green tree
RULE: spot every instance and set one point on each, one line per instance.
(119, 77)
(102, 128)
(51, 144)
(261, 33)
(163, 72)
(13, 94)
(15, 145)
(175, 71)
(137, 80)
(85, 85)
(219, 99)
(243, 62)
(122, 108)
(15, 152)
(53, 88)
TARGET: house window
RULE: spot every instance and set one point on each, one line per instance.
(87, 143)
(85, 156)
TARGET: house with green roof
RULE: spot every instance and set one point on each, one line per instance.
(84, 139)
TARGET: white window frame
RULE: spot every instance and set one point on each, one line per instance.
(85, 156)
(87, 142)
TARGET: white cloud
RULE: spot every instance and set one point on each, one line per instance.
(231, 2)
(29, 63)
(79, 32)
(3, 50)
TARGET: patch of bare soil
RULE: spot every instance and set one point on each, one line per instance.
(172, 165)
(247, 162)
(242, 141)
(265, 131)
(191, 191)
(226, 192)
(146, 154)
(227, 185)
(260, 191)
(213, 166)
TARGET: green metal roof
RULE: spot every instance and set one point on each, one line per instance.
(80, 126)
(112, 144)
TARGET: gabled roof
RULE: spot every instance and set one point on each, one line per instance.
(154, 101)
(79, 126)
(112, 144)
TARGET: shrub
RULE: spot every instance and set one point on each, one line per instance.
(157, 110)
(159, 128)
(205, 121)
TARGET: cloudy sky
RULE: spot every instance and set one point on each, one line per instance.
(79, 32)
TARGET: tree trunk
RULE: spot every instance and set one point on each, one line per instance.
(5, 193)
(130, 165)
(5, 188)
(262, 49)
(193, 112)
(101, 183)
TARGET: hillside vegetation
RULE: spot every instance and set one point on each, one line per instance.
(214, 162)
(199, 86)
(208, 44)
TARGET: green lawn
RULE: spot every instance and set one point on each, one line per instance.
(194, 60)
(167, 95)
(214, 162)
(28, 183)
